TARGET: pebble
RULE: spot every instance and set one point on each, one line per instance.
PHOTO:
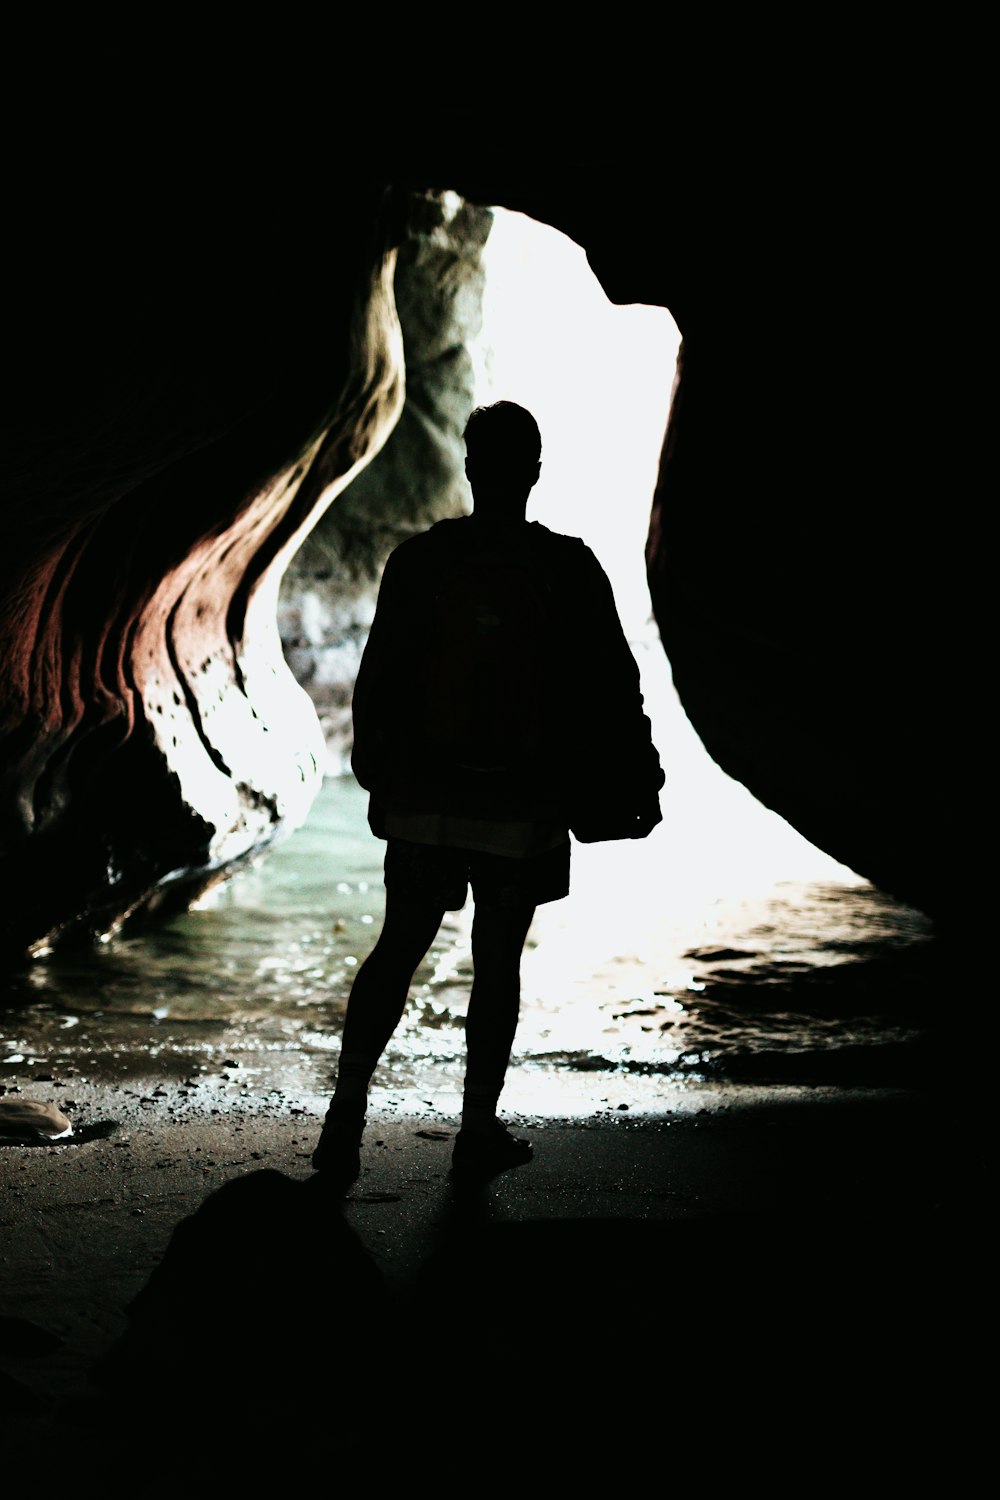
(32, 1119)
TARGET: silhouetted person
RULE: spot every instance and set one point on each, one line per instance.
(497, 707)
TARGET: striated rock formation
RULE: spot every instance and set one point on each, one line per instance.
(150, 732)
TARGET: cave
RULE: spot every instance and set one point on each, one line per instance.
(225, 347)
(197, 382)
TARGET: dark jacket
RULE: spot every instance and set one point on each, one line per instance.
(576, 743)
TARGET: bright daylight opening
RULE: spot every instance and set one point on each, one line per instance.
(598, 378)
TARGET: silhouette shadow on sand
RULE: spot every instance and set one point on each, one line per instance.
(259, 1294)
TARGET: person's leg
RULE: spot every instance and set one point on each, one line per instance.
(498, 934)
(376, 1004)
(378, 995)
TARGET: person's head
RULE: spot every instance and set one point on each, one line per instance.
(503, 455)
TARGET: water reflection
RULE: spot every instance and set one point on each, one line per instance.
(639, 978)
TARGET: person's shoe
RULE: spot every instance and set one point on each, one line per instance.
(338, 1150)
(481, 1153)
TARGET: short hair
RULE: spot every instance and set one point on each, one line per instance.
(504, 439)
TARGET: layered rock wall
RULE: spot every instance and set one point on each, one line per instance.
(150, 731)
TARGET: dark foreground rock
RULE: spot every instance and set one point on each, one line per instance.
(804, 1264)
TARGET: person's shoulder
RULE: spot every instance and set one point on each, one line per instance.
(423, 544)
(557, 540)
(567, 549)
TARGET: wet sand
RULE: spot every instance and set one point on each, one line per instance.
(804, 1263)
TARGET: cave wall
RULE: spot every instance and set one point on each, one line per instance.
(166, 452)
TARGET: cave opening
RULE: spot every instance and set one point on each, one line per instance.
(620, 980)
(599, 379)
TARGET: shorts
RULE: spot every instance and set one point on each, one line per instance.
(440, 875)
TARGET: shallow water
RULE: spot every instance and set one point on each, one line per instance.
(650, 984)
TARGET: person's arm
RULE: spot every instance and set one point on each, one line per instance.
(377, 675)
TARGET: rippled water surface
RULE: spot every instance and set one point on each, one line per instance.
(646, 983)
